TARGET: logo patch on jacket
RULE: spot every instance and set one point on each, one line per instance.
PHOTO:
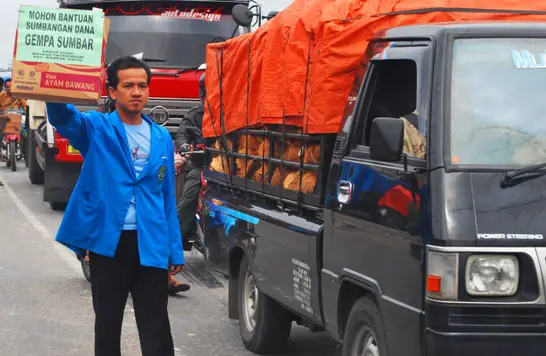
(161, 173)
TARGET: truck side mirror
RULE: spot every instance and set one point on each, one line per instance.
(242, 15)
(271, 15)
(387, 139)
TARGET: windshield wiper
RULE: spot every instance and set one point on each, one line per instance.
(154, 60)
(508, 178)
(187, 69)
(180, 69)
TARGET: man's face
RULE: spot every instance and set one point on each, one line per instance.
(8, 88)
(132, 92)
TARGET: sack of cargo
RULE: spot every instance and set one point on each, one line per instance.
(299, 68)
(59, 55)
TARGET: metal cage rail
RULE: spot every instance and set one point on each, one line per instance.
(264, 187)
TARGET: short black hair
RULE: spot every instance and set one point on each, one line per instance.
(123, 63)
(7, 81)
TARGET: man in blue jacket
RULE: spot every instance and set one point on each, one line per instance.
(123, 210)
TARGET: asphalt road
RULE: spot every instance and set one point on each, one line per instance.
(45, 302)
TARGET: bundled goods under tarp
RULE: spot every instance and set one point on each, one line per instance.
(279, 156)
(299, 67)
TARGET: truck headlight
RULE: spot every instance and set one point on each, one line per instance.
(492, 275)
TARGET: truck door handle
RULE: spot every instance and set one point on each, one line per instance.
(345, 192)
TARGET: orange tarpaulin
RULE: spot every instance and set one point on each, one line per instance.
(299, 67)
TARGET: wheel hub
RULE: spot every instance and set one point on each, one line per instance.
(250, 302)
(365, 343)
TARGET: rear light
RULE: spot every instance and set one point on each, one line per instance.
(65, 151)
(71, 150)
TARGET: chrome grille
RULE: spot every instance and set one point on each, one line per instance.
(523, 317)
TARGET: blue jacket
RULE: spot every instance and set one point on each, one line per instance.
(96, 211)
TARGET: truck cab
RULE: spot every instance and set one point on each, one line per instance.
(429, 236)
(171, 37)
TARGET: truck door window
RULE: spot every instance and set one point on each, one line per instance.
(393, 93)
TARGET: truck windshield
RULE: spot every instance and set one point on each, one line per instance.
(498, 111)
(169, 34)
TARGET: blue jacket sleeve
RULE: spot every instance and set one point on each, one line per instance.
(71, 124)
(177, 252)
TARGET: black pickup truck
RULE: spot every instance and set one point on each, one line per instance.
(395, 254)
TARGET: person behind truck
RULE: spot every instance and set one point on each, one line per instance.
(189, 137)
(123, 210)
(8, 101)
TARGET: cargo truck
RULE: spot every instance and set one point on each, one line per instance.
(393, 245)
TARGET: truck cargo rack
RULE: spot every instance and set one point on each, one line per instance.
(265, 188)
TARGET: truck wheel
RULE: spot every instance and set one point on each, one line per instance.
(13, 155)
(35, 172)
(265, 325)
(364, 335)
(57, 206)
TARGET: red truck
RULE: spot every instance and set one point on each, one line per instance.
(171, 37)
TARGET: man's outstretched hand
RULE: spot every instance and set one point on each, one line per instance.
(176, 269)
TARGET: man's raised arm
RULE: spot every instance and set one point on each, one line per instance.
(71, 124)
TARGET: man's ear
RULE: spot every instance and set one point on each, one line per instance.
(112, 92)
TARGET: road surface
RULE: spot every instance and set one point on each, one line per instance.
(45, 302)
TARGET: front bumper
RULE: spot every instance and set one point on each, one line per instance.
(482, 326)
(484, 344)
(484, 330)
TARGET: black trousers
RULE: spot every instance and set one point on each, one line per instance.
(188, 207)
(112, 280)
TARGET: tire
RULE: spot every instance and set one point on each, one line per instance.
(272, 322)
(24, 149)
(57, 206)
(8, 160)
(86, 269)
(364, 334)
(35, 172)
(13, 155)
(199, 244)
